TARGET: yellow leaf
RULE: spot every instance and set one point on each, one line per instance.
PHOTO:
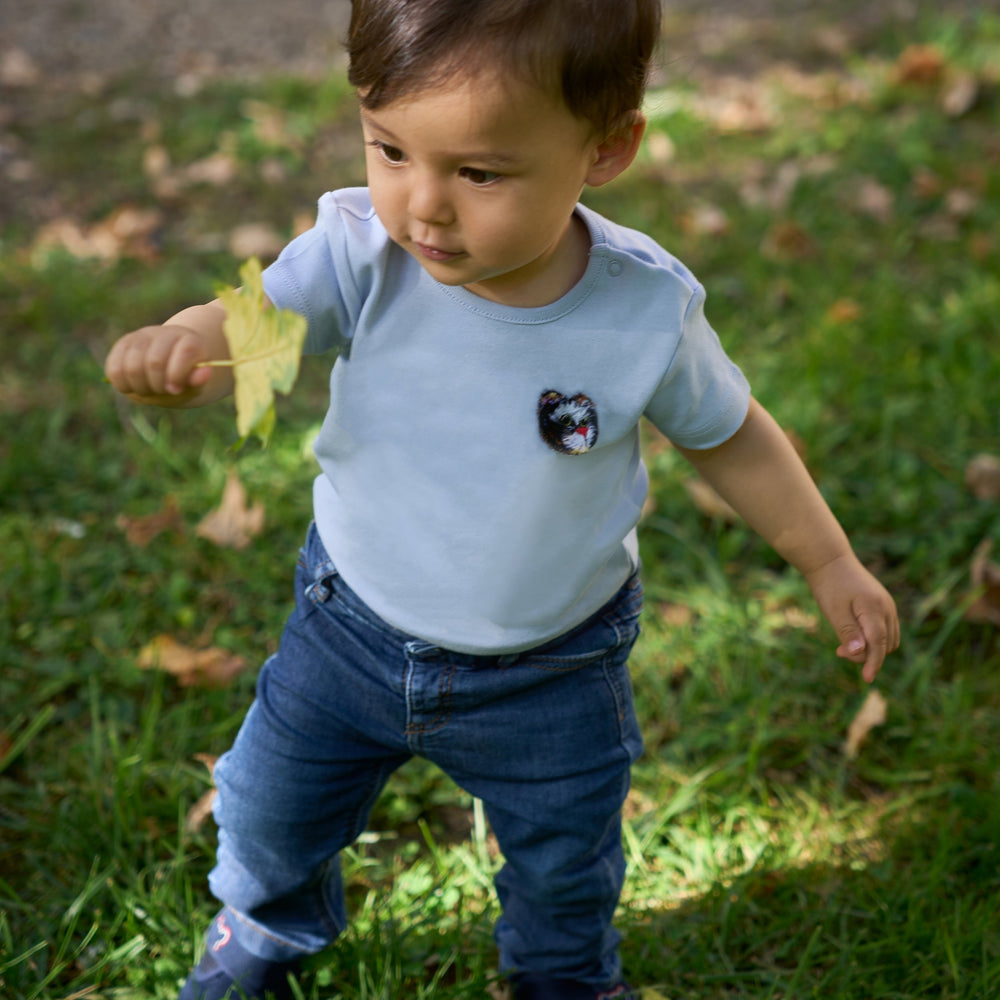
(265, 347)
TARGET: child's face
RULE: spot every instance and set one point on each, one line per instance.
(478, 180)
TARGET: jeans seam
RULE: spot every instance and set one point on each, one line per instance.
(444, 713)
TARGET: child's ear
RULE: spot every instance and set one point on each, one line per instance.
(617, 150)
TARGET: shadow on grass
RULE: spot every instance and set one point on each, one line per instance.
(865, 927)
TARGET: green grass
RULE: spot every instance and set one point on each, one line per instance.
(763, 864)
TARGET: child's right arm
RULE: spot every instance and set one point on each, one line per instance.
(159, 365)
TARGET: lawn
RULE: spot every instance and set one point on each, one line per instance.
(845, 219)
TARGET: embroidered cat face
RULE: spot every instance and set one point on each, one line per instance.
(568, 424)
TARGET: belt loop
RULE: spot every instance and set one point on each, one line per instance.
(417, 649)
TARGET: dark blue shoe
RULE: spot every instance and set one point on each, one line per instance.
(533, 987)
(227, 971)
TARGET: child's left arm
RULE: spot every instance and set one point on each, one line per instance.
(760, 475)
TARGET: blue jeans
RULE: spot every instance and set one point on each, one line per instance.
(545, 738)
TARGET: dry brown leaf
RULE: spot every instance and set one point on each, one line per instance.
(982, 476)
(140, 531)
(255, 239)
(708, 502)
(18, 69)
(921, 64)
(675, 615)
(961, 204)
(875, 200)
(216, 170)
(127, 232)
(705, 220)
(985, 609)
(233, 523)
(202, 809)
(844, 312)
(764, 188)
(212, 667)
(960, 95)
(788, 239)
(270, 125)
(661, 148)
(871, 714)
(926, 183)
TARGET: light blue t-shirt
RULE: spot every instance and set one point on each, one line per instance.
(481, 478)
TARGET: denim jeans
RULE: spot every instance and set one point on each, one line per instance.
(545, 738)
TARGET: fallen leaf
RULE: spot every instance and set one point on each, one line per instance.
(960, 204)
(705, 220)
(675, 615)
(982, 476)
(270, 125)
(140, 531)
(202, 809)
(960, 95)
(708, 502)
(212, 667)
(661, 148)
(875, 199)
(209, 760)
(265, 346)
(985, 609)
(871, 714)
(18, 69)
(926, 183)
(764, 188)
(233, 524)
(127, 232)
(921, 64)
(255, 239)
(844, 312)
(788, 239)
(215, 170)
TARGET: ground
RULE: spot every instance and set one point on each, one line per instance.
(72, 42)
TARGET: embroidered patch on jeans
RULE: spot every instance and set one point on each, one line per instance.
(225, 933)
(568, 424)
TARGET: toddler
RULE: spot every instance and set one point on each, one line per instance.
(468, 590)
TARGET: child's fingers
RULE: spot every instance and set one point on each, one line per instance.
(871, 639)
(181, 371)
(155, 361)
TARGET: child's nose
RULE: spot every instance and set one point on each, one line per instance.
(429, 202)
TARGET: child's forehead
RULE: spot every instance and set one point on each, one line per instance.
(479, 99)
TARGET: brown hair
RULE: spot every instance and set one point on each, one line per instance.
(594, 53)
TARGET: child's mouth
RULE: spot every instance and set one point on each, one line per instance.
(436, 253)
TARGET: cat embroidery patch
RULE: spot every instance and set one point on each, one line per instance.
(568, 424)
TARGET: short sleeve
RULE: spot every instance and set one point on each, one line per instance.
(703, 397)
(322, 273)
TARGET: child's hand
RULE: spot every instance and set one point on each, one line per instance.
(158, 364)
(860, 610)
(165, 365)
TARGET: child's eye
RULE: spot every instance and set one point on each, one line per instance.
(478, 177)
(391, 154)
